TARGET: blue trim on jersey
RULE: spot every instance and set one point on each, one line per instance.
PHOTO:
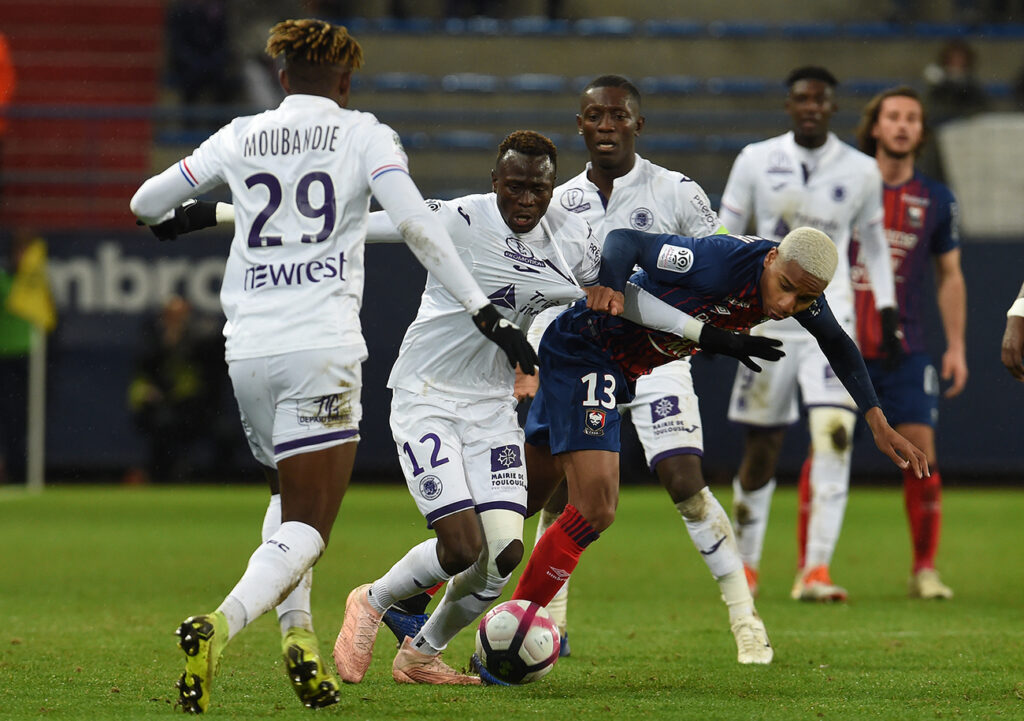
(314, 440)
(448, 510)
(502, 505)
(187, 174)
(681, 451)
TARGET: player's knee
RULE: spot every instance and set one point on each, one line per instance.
(456, 558)
(507, 560)
(695, 508)
(831, 429)
(681, 476)
(599, 516)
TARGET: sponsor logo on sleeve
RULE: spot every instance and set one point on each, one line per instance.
(675, 259)
(664, 408)
(703, 208)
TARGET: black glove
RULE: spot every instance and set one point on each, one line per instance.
(190, 215)
(508, 337)
(740, 346)
(892, 337)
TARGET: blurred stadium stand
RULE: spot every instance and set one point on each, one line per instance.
(95, 114)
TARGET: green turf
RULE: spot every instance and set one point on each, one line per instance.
(94, 580)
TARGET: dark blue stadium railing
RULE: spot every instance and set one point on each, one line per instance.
(685, 28)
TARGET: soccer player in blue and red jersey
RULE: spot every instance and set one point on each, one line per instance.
(921, 227)
(706, 289)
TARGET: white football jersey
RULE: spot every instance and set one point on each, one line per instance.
(300, 183)
(522, 274)
(835, 188)
(648, 198)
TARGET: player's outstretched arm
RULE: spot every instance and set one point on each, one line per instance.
(604, 300)
(1013, 338)
(902, 452)
(193, 215)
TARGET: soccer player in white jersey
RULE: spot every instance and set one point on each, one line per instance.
(805, 177)
(301, 176)
(621, 189)
(453, 415)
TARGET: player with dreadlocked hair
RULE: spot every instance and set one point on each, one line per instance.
(301, 176)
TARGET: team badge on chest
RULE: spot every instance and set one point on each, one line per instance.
(641, 219)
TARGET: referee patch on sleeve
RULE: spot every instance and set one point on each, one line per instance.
(675, 259)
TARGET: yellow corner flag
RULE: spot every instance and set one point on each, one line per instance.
(30, 296)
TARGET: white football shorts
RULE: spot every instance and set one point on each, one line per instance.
(298, 402)
(666, 414)
(769, 399)
(459, 454)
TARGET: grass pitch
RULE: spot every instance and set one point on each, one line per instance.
(93, 582)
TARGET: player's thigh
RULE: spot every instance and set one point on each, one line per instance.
(580, 400)
(666, 413)
(428, 438)
(767, 398)
(819, 385)
(908, 393)
(298, 402)
(494, 456)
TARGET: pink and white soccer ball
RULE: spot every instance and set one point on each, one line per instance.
(517, 641)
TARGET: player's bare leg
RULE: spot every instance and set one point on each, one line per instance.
(712, 534)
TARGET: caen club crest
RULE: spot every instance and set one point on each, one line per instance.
(594, 420)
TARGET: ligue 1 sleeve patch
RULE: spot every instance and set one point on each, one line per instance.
(675, 259)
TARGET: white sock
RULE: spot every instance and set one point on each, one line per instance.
(830, 483)
(294, 610)
(415, 572)
(467, 595)
(711, 532)
(558, 608)
(274, 569)
(750, 516)
(736, 594)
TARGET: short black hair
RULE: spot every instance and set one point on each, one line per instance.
(528, 142)
(811, 72)
(614, 81)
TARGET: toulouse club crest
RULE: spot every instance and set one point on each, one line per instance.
(430, 487)
(641, 219)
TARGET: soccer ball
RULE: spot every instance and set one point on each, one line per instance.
(517, 642)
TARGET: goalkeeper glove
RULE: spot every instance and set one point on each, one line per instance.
(892, 337)
(508, 337)
(189, 216)
(741, 346)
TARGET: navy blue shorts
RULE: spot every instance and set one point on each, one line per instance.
(576, 406)
(910, 393)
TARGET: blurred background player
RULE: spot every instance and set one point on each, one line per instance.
(806, 177)
(453, 415)
(301, 177)
(920, 225)
(621, 189)
(590, 362)
(1012, 350)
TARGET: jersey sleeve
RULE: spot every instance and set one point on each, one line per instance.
(587, 269)
(947, 230)
(869, 225)
(738, 198)
(155, 201)
(694, 216)
(383, 153)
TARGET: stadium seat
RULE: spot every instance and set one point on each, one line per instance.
(401, 82)
(405, 26)
(938, 31)
(473, 26)
(466, 140)
(872, 30)
(673, 28)
(1002, 31)
(866, 86)
(810, 30)
(537, 25)
(470, 83)
(738, 29)
(728, 144)
(415, 141)
(676, 143)
(739, 86)
(537, 83)
(670, 85)
(1000, 90)
(606, 26)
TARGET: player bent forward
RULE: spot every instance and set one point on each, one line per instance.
(590, 362)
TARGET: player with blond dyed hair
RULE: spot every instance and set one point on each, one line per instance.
(301, 177)
(708, 290)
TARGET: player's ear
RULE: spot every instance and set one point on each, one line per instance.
(579, 124)
(640, 124)
(770, 257)
(282, 77)
(494, 181)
